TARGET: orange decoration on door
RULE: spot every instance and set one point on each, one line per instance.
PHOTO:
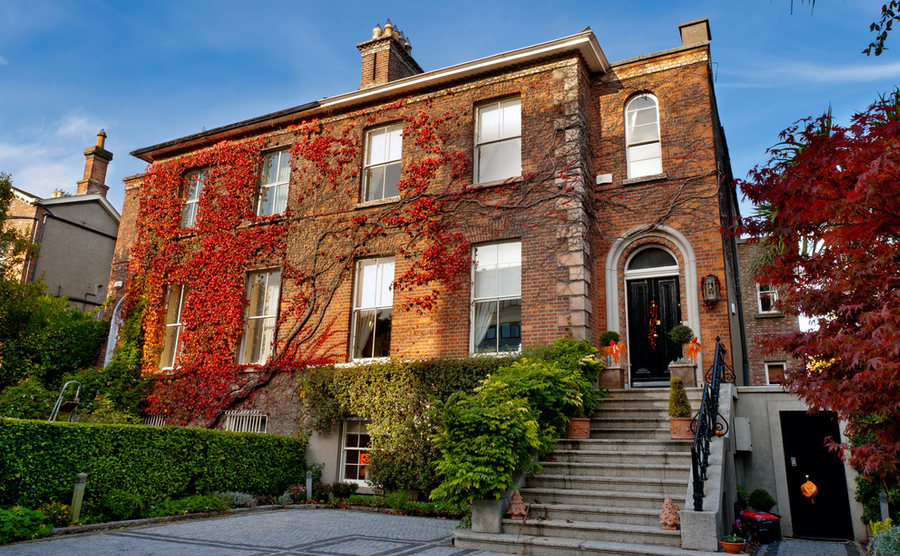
(809, 490)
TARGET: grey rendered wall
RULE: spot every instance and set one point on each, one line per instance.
(763, 466)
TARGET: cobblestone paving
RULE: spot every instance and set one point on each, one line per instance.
(277, 533)
(801, 547)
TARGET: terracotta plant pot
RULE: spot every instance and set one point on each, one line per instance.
(612, 378)
(680, 428)
(732, 547)
(687, 373)
(578, 427)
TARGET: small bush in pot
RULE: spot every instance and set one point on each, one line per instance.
(679, 410)
(681, 334)
(761, 500)
(607, 337)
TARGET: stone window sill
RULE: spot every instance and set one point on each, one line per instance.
(770, 315)
(645, 179)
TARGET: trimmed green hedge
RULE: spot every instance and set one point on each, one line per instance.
(44, 458)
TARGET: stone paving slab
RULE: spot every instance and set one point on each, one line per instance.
(268, 533)
(803, 547)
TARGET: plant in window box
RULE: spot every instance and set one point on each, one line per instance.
(679, 411)
(613, 376)
(684, 367)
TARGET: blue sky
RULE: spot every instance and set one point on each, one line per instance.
(155, 70)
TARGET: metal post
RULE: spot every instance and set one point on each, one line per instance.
(882, 497)
(78, 496)
(309, 485)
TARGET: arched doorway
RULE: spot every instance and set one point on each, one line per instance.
(653, 307)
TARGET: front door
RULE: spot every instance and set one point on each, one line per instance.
(654, 308)
(827, 515)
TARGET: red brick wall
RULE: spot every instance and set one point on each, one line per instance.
(760, 325)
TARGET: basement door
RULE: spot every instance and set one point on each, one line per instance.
(828, 514)
(654, 308)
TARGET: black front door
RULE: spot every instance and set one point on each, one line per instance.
(654, 308)
(828, 514)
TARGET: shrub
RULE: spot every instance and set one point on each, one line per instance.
(679, 406)
(121, 504)
(885, 539)
(489, 439)
(149, 462)
(56, 513)
(27, 400)
(195, 504)
(236, 499)
(264, 499)
(18, 523)
(285, 499)
(607, 337)
(297, 493)
(344, 490)
(761, 500)
(681, 334)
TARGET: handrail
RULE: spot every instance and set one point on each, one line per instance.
(706, 422)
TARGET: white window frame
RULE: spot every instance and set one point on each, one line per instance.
(633, 145)
(390, 157)
(278, 188)
(782, 364)
(382, 300)
(246, 420)
(773, 295)
(506, 136)
(173, 326)
(194, 183)
(267, 317)
(502, 293)
(345, 430)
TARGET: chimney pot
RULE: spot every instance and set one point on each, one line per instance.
(101, 139)
(695, 32)
(376, 31)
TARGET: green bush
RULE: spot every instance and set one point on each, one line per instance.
(121, 504)
(56, 513)
(681, 334)
(18, 524)
(489, 438)
(679, 406)
(150, 462)
(885, 539)
(236, 499)
(195, 504)
(607, 337)
(27, 400)
(402, 505)
(760, 500)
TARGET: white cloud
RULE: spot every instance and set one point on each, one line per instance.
(77, 124)
(792, 73)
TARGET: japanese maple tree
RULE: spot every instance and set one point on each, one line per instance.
(832, 227)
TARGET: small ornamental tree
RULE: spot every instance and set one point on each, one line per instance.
(831, 225)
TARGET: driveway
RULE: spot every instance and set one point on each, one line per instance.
(292, 532)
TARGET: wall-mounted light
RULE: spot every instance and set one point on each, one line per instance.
(711, 290)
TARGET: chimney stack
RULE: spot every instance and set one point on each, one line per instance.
(386, 57)
(695, 32)
(97, 159)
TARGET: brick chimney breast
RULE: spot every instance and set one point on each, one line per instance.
(97, 159)
(386, 57)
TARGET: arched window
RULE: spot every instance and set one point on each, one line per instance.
(642, 136)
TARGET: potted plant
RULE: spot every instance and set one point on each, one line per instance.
(733, 543)
(578, 416)
(684, 367)
(679, 411)
(613, 376)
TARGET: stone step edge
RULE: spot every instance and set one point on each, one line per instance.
(465, 538)
(679, 482)
(586, 508)
(591, 465)
(593, 525)
(632, 453)
(536, 491)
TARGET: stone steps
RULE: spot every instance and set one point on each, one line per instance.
(603, 495)
(600, 498)
(605, 470)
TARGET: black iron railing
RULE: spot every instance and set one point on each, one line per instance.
(708, 422)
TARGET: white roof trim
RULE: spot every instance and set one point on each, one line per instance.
(585, 42)
(71, 199)
(25, 196)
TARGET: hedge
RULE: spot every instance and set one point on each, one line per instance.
(42, 460)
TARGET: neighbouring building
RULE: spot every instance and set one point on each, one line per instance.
(77, 234)
(589, 195)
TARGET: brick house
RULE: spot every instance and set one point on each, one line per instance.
(77, 234)
(763, 319)
(592, 195)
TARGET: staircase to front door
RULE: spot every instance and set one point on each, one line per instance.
(604, 495)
